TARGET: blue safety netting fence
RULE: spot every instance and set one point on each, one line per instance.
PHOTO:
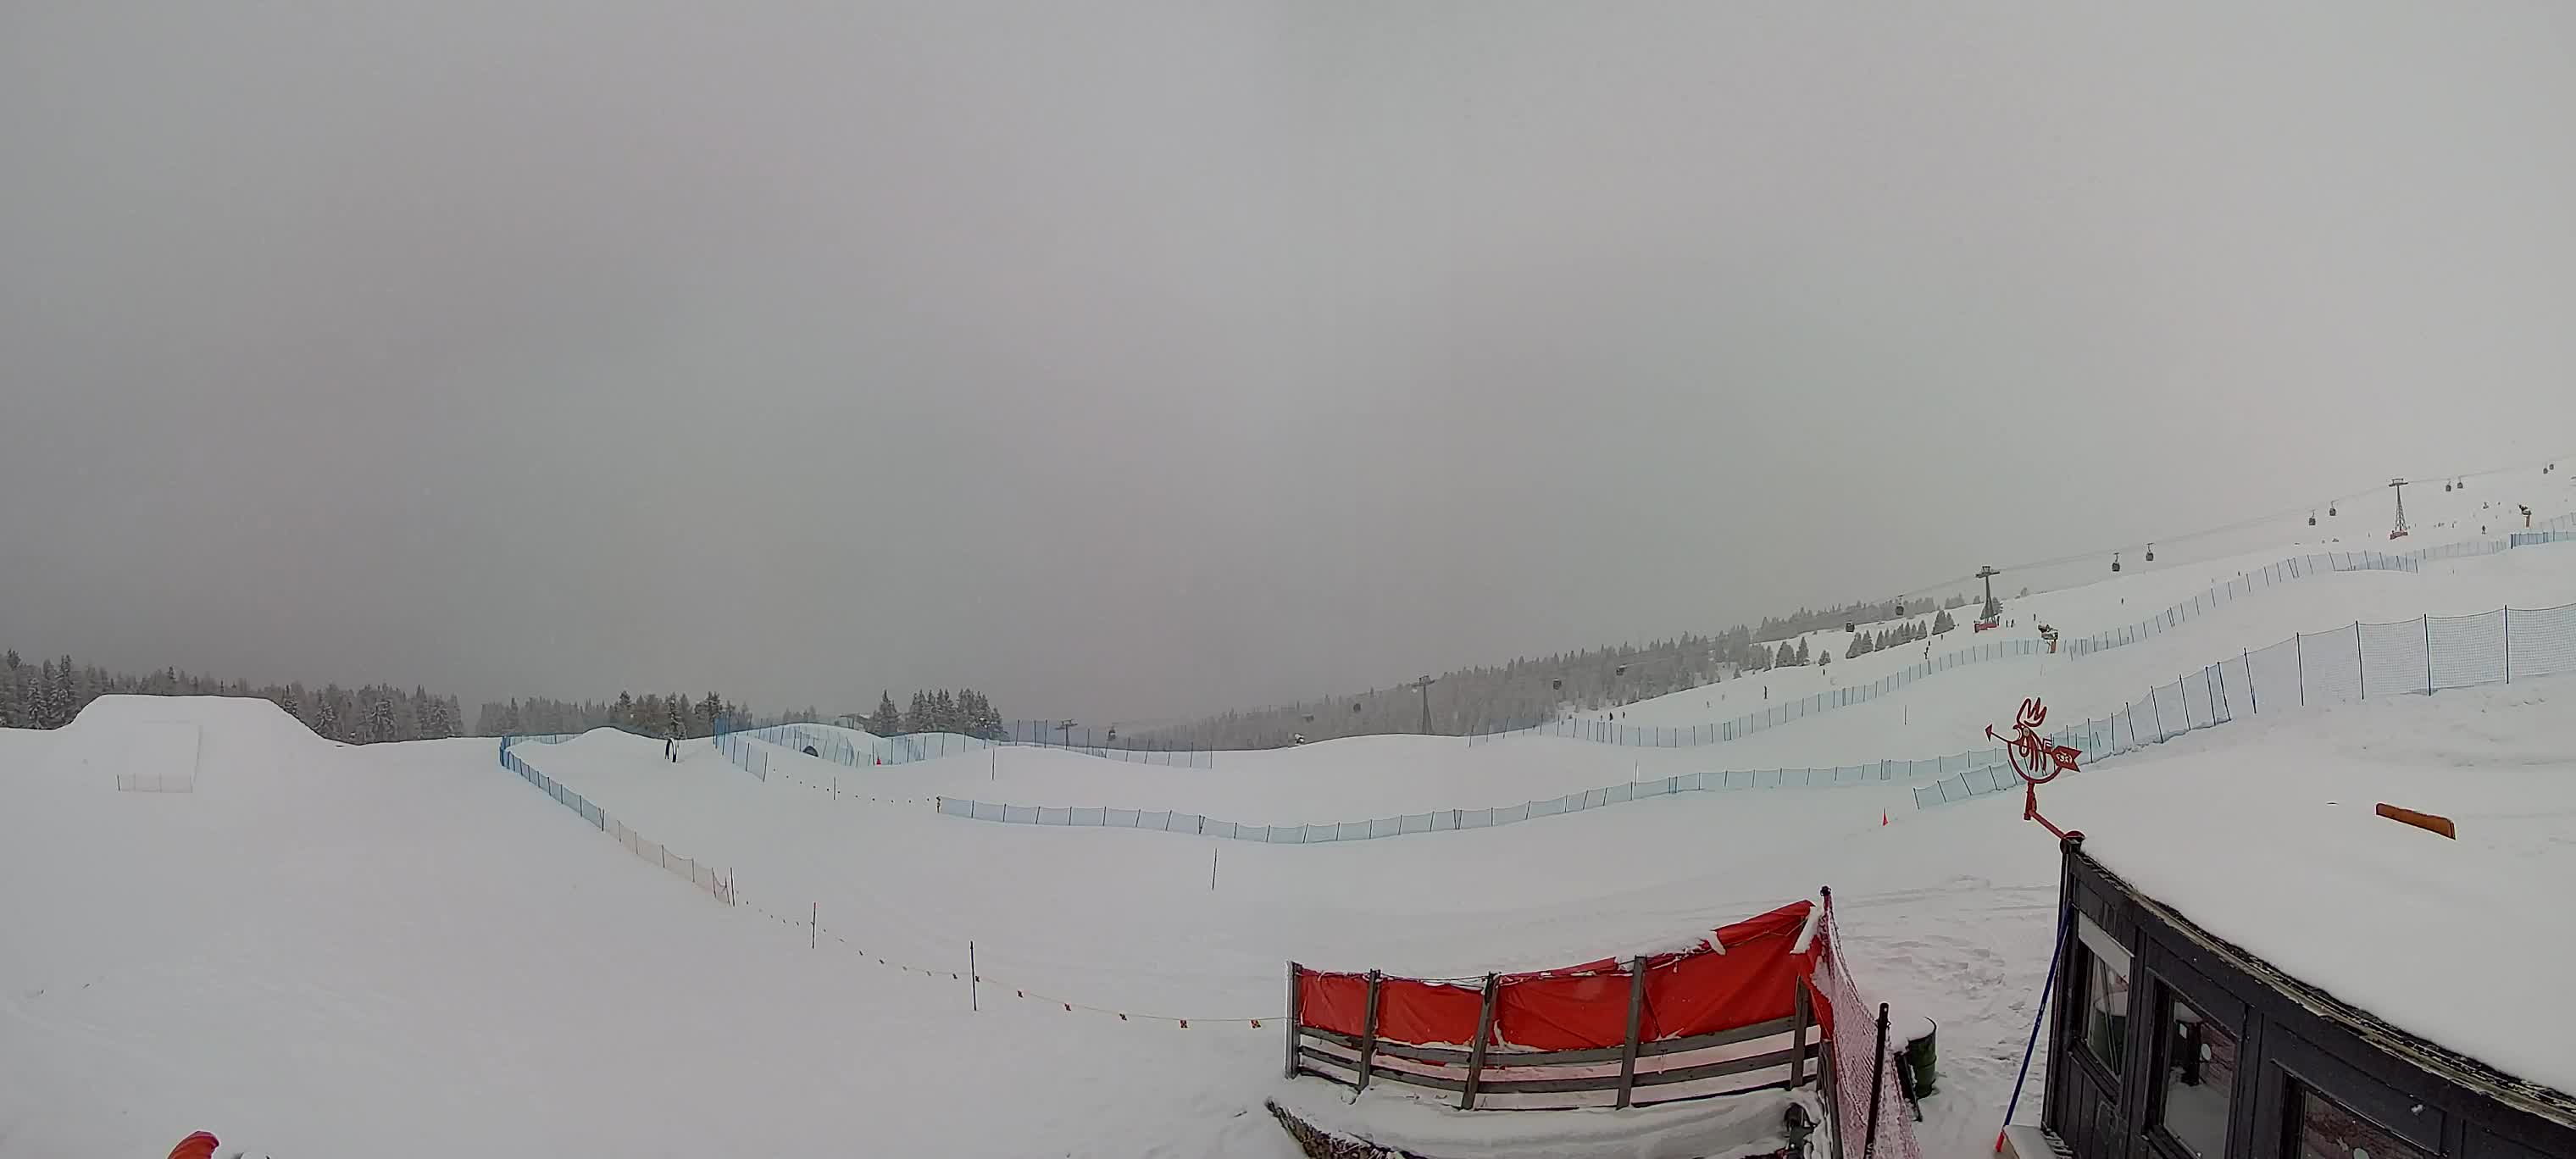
(860, 750)
(2409, 657)
(1692, 736)
(2417, 656)
(2245, 584)
(1438, 820)
(705, 877)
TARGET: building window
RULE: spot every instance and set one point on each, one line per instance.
(2328, 1131)
(2198, 1055)
(2106, 994)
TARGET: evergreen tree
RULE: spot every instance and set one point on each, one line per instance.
(67, 698)
(917, 718)
(40, 696)
(886, 721)
(380, 720)
(712, 708)
(1854, 648)
(1802, 651)
(624, 713)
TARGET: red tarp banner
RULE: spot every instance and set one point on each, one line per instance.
(1426, 1013)
(1337, 1002)
(1696, 992)
(1753, 982)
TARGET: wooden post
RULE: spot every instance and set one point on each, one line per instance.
(974, 997)
(1829, 1079)
(1476, 1049)
(1368, 1030)
(1798, 1036)
(1636, 1016)
(1293, 1011)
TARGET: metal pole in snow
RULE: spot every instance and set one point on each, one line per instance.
(814, 926)
(974, 1000)
(2428, 655)
(1211, 869)
(2037, 1020)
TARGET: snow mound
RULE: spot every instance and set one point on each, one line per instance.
(218, 740)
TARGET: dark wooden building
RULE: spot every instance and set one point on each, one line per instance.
(2167, 1042)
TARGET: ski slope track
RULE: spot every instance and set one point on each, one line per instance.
(408, 950)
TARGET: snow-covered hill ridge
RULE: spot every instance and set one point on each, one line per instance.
(2023, 617)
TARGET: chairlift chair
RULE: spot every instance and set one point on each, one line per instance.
(2115, 561)
(2312, 519)
(2330, 511)
(2151, 553)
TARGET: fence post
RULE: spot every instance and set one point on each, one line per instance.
(2155, 703)
(1636, 1015)
(2508, 643)
(1368, 1037)
(2252, 698)
(2299, 645)
(1798, 1034)
(1293, 1012)
(2360, 674)
(2428, 655)
(1877, 1083)
(974, 997)
(1476, 1049)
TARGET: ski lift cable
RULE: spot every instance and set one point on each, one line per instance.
(2299, 510)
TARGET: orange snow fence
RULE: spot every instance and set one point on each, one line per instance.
(1743, 975)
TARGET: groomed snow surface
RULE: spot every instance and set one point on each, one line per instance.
(403, 950)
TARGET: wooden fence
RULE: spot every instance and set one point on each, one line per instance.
(1733, 1014)
(1781, 1053)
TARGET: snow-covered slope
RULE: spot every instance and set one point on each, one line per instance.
(405, 950)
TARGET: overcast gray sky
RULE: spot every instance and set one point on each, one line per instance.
(1130, 360)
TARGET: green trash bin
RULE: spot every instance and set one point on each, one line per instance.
(1917, 1062)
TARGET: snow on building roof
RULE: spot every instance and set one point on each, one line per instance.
(2272, 843)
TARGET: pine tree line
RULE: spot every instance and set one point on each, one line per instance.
(1864, 643)
(965, 712)
(1533, 689)
(50, 694)
(652, 714)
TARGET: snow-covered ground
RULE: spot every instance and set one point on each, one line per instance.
(405, 950)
